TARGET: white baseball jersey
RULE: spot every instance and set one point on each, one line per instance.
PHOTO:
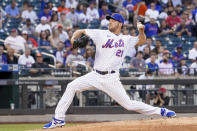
(110, 48)
(110, 51)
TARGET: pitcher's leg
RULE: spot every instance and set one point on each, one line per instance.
(78, 85)
(116, 90)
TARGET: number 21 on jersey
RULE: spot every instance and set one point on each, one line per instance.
(109, 44)
(119, 53)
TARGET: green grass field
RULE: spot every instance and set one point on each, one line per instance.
(23, 127)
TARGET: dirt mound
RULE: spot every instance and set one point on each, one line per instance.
(173, 124)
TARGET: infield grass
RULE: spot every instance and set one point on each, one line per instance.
(23, 127)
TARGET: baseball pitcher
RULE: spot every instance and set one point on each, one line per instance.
(111, 47)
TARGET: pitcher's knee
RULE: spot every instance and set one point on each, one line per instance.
(72, 86)
(128, 107)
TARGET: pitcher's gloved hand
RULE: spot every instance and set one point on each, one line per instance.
(81, 42)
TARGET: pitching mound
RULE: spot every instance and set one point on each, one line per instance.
(173, 124)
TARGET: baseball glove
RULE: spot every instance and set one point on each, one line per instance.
(81, 42)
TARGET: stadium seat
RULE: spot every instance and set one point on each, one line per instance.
(94, 24)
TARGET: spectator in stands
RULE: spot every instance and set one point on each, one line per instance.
(60, 55)
(89, 57)
(152, 65)
(193, 52)
(63, 36)
(161, 98)
(125, 30)
(50, 38)
(73, 59)
(194, 27)
(12, 10)
(54, 11)
(39, 67)
(151, 29)
(139, 11)
(81, 14)
(133, 31)
(72, 15)
(26, 59)
(196, 17)
(158, 45)
(179, 10)
(183, 29)
(66, 23)
(125, 15)
(169, 4)
(182, 68)
(163, 15)
(54, 20)
(194, 11)
(170, 10)
(157, 5)
(176, 2)
(146, 52)
(43, 42)
(164, 29)
(160, 54)
(168, 55)
(43, 3)
(166, 67)
(46, 13)
(29, 27)
(178, 54)
(129, 4)
(11, 59)
(3, 57)
(50, 6)
(15, 42)
(67, 52)
(2, 17)
(140, 8)
(105, 23)
(68, 41)
(117, 2)
(144, 90)
(24, 7)
(71, 3)
(55, 35)
(92, 12)
(151, 13)
(138, 62)
(193, 68)
(163, 2)
(173, 19)
(148, 44)
(62, 8)
(42, 26)
(31, 42)
(104, 11)
(29, 14)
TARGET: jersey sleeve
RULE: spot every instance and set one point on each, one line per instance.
(133, 40)
(94, 34)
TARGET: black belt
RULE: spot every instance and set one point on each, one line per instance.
(104, 72)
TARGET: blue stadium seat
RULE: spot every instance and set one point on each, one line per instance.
(82, 26)
(94, 24)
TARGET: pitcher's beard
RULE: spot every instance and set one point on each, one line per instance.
(112, 29)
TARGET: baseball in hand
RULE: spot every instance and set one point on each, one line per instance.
(139, 25)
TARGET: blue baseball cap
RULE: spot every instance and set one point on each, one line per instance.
(117, 17)
(138, 1)
(179, 46)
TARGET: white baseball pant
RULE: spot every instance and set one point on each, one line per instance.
(111, 85)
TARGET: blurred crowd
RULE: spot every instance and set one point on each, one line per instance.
(50, 31)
